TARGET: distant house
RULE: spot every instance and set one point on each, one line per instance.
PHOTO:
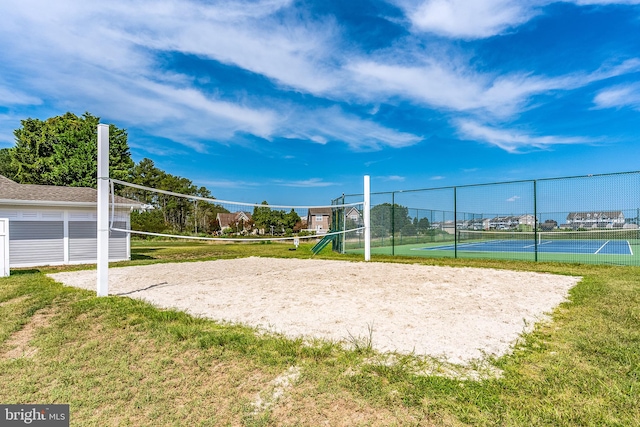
(595, 219)
(511, 222)
(354, 215)
(319, 220)
(527, 219)
(479, 224)
(52, 225)
(237, 221)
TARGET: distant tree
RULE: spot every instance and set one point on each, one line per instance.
(290, 220)
(275, 221)
(179, 214)
(262, 216)
(151, 221)
(62, 150)
(386, 215)
(408, 230)
(422, 225)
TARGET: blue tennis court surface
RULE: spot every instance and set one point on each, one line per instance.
(604, 247)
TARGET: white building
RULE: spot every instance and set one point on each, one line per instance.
(51, 225)
(596, 219)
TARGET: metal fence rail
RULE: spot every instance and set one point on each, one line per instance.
(583, 219)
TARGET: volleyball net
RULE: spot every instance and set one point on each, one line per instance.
(169, 214)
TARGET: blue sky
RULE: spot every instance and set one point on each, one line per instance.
(294, 101)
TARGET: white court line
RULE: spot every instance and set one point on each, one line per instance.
(605, 244)
(445, 247)
(540, 244)
(630, 250)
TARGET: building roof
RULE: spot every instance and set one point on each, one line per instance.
(594, 215)
(320, 211)
(227, 219)
(13, 193)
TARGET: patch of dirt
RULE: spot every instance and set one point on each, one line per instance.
(307, 408)
(19, 342)
(16, 300)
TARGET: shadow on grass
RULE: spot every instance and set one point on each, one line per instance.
(138, 257)
(25, 271)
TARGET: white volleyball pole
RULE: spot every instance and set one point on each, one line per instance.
(103, 210)
(367, 218)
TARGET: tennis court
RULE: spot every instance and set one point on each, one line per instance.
(591, 246)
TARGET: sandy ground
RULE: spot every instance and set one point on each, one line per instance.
(458, 314)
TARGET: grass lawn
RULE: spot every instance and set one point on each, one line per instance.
(119, 361)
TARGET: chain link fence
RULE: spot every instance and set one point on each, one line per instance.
(581, 219)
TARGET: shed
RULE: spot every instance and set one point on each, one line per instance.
(52, 225)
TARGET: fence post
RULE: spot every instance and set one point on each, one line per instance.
(367, 218)
(393, 223)
(535, 220)
(455, 222)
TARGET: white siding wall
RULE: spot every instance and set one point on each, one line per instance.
(83, 241)
(36, 242)
(59, 236)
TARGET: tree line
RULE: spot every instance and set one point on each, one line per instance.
(62, 151)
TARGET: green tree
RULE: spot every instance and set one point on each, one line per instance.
(422, 225)
(178, 214)
(62, 150)
(176, 209)
(385, 216)
(5, 163)
(274, 221)
(263, 217)
(290, 220)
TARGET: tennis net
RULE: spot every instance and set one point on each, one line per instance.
(546, 237)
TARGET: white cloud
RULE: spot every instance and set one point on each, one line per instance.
(437, 178)
(11, 96)
(228, 183)
(93, 64)
(470, 19)
(102, 58)
(513, 199)
(619, 96)
(395, 178)
(312, 183)
(7, 123)
(480, 18)
(459, 88)
(332, 124)
(291, 53)
(603, 2)
(511, 140)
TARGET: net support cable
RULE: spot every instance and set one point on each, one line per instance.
(231, 239)
(219, 201)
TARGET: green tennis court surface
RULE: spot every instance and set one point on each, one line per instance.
(604, 247)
